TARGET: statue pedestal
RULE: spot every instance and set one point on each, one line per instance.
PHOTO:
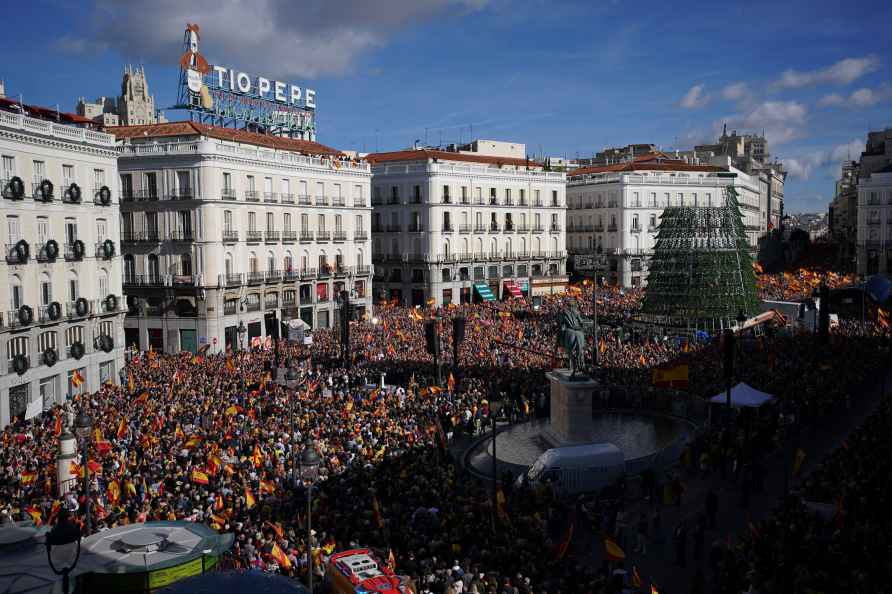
(571, 409)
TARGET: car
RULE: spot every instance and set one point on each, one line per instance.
(358, 571)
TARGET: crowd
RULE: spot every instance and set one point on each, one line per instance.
(212, 438)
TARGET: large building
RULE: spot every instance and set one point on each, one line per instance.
(456, 226)
(615, 210)
(133, 107)
(226, 230)
(61, 310)
(875, 222)
(843, 212)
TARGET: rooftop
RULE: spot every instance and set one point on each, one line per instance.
(440, 155)
(651, 162)
(43, 113)
(189, 128)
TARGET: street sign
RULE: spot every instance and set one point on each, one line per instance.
(590, 262)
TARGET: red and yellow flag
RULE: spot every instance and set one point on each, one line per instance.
(35, 514)
(199, 477)
(122, 429)
(57, 426)
(275, 528)
(28, 477)
(77, 380)
(114, 491)
(218, 503)
(280, 557)
(883, 318)
(450, 383)
(249, 498)
(131, 385)
(257, 457)
(267, 487)
(614, 553)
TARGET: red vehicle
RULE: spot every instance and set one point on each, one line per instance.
(359, 572)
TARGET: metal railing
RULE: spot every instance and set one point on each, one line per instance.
(71, 255)
(447, 228)
(71, 309)
(38, 194)
(555, 228)
(230, 236)
(416, 228)
(273, 276)
(323, 235)
(306, 236)
(180, 235)
(141, 195)
(363, 270)
(271, 236)
(42, 255)
(289, 236)
(181, 194)
(232, 279)
(270, 197)
(307, 272)
(394, 228)
(255, 278)
(287, 198)
(339, 235)
(339, 201)
(360, 236)
(303, 199)
(254, 236)
(142, 280)
(464, 228)
(321, 201)
(228, 194)
(252, 196)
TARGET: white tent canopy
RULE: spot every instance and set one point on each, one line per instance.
(743, 396)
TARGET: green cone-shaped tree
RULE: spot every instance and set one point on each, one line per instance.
(701, 273)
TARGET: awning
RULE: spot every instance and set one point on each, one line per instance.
(485, 292)
(743, 396)
(513, 289)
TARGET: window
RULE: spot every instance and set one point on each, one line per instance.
(43, 230)
(554, 198)
(152, 224)
(267, 185)
(227, 182)
(304, 223)
(360, 228)
(184, 218)
(251, 184)
(101, 230)
(338, 223)
(635, 221)
(150, 184)
(270, 221)
(636, 201)
(227, 220)
(321, 220)
(252, 221)
(286, 186)
(74, 334)
(79, 389)
(73, 288)
(286, 222)
(39, 171)
(653, 221)
(16, 295)
(70, 231)
(653, 199)
(8, 166)
(99, 178)
(270, 262)
(103, 283)
(106, 371)
(446, 198)
(67, 174)
(320, 189)
(46, 289)
(46, 340)
(184, 187)
(17, 346)
(680, 197)
(492, 195)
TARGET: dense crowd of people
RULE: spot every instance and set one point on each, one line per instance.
(213, 438)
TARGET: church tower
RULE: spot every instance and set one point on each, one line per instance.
(135, 105)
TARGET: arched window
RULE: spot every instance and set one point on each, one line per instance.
(73, 286)
(289, 262)
(508, 248)
(103, 283)
(479, 246)
(20, 345)
(446, 248)
(304, 260)
(186, 264)
(360, 261)
(252, 262)
(494, 247)
(154, 271)
(554, 246)
(227, 264)
(129, 269)
(464, 246)
(16, 294)
(523, 245)
(538, 244)
(395, 246)
(270, 262)
(46, 289)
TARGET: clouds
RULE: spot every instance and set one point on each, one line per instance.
(738, 91)
(279, 38)
(858, 98)
(804, 165)
(781, 120)
(844, 72)
(695, 98)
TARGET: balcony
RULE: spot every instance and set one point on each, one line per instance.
(323, 235)
(230, 236)
(377, 201)
(416, 228)
(611, 227)
(142, 280)
(252, 306)
(324, 271)
(287, 198)
(359, 203)
(143, 195)
(873, 222)
(479, 229)
(394, 228)
(252, 196)
(651, 229)
(255, 278)
(340, 271)
(287, 276)
(339, 235)
(139, 237)
(72, 311)
(464, 228)
(446, 199)
(508, 229)
(599, 228)
(15, 321)
(184, 280)
(635, 229)
(289, 236)
(555, 228)
(10, 366)
(273, 276)
(7, 192)
(104, 253)
(270, 197)
(180, 235)
(508, 202)
(537, 202)
(339, 201)
(232, 279)
(447, 228)
(360, 236)
(538, 229)
(254, 236)
(181, 194)
(377, 228)
(230, 307)
(49, 313)
(303, 199)
(71, 195)
(393, 200)
(44, 254)
(363, 270)
(321, 201)
(523, 229)
(416, 199)
(306, 236)
(74, 252)
(307, 273)
(228, 194)
(271, 236)
(38, 194)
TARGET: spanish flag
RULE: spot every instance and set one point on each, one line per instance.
(122, 429)
(199, 477)
(35, 514)
(77, 380)
(674, 377)
(450, 383)
(57, 426)
(230, 366)
(391, 560)
(883, 319)
(602, 347)
(218, 503)
(257, 457)
(142, 398)
(249, 498)
(614, 553)
(267, 487)
(275, 528)
(131, 385)
(114, 492)
(192, 443)
(28, 477)
(413, 313)
(280, 557)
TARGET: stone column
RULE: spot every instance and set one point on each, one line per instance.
(66, 457)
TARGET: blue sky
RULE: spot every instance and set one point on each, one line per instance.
(566, 78)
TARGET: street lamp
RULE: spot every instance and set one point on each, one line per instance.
(83, 426)
(495, 406)
(289, 380)
(309, 472)
(63, 548)
(241, 330)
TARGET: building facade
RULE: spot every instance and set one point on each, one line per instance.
(875, 222)
(615, 210)
(134, 106)
(457, 227)
(223, 230)
(61, 310)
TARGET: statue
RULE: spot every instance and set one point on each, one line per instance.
(571, 336)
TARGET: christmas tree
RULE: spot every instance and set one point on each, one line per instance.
(701, 273)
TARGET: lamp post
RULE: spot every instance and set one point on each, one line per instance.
(241, 330)
(309, 472)
(63, 548)
(83, 426)
(494, 407)
(289, 380)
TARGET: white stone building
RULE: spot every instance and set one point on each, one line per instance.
(61, 307)
(874, 229)
(615, 209)
(134, 106)
(223, 228)
(457, 227)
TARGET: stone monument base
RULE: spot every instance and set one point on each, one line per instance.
(571, 409)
